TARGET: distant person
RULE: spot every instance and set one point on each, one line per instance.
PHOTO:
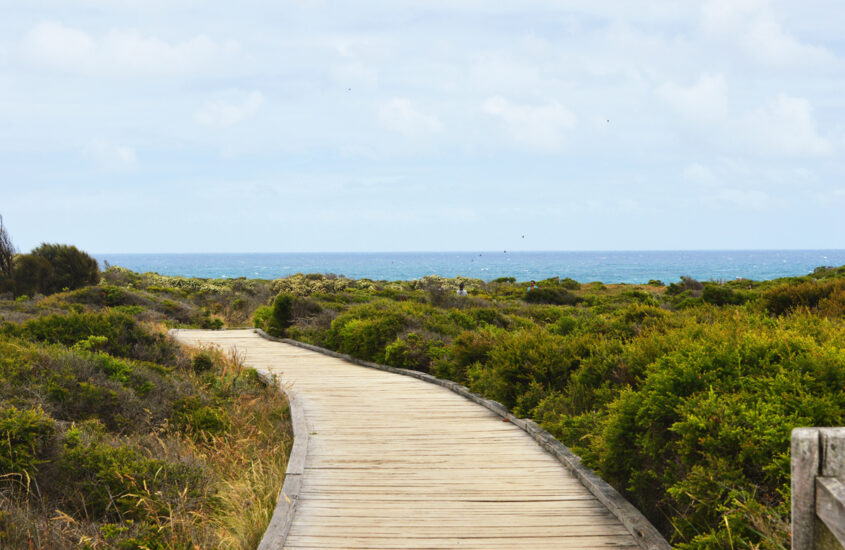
(461, 291)
(530, 288)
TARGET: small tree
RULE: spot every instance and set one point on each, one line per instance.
(7, 252)
(31, 274)
(69, 268)
(282, 317)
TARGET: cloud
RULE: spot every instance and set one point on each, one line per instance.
(113, 158)
(697, 173)
(220, 114)
(756, 200)
(538, 127)
(754, 26)
(121, 52)
(399, 115)
(704, 101)
(785, 125)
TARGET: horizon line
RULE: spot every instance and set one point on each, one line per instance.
(476, 251)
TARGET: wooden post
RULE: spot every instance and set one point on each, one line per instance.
(818, 488)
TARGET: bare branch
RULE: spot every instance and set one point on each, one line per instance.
(7, 251)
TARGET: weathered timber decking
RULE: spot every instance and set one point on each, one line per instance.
(395, 462)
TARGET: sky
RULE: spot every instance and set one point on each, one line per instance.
(309, 125)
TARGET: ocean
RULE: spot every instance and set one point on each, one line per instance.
(608, 267)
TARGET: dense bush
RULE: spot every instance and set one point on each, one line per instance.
(710, 422)
(686, 284)
(281, 315)
(551, 295)
(24, 436)
(810, 294)
(124, 335)
(364, 336)
(110, 482)
(51, 268)
(413, 351)
(520, 367)
(31, 275)
(722, 295)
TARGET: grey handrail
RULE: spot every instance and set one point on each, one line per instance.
(818, 488)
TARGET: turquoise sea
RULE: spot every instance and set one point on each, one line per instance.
(608, 267)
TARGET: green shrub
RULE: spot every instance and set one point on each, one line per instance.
(282, 315)
(124, 396)
(125, 336)
(566, 324)
(469, 348)
(724, 401)
(549, 295)
(413, 351)
(211, 323)
(31, 274)
(721, 295)
(119, 483)
(788, 297)
(365, 331)
(504, 280)
(70, 268)
(193, 417)
(518, 364)
(570, 284)
(367, 339)
(202, 362)
(489, 316)
(262, 316)
(686, 284)
(24, 437)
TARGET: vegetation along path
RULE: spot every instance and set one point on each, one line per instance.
(395, 462)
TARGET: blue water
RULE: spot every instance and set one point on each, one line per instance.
(608, 267)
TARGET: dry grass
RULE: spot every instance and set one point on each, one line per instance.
(251, 459)
(244, 470)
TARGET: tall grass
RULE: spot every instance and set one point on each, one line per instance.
(82, 482)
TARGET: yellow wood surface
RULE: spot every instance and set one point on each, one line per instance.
(395, 462)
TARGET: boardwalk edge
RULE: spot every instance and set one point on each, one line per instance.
(277, 530)
(646, 535)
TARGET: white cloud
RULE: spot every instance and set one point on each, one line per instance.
(756, 200)
(113, 158)
(121, 52)
(754, 26)
(700, 174)
(539, 127)
(704, 101)
(220, 114)
(399, 115)
(726, 15)
(784, 125)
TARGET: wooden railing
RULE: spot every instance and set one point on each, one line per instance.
(818, 488)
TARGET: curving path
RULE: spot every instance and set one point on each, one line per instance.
(395, 462)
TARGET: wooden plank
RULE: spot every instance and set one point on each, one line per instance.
(396, 462)
(830, 506)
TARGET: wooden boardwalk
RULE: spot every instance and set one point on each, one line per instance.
(393, 462)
